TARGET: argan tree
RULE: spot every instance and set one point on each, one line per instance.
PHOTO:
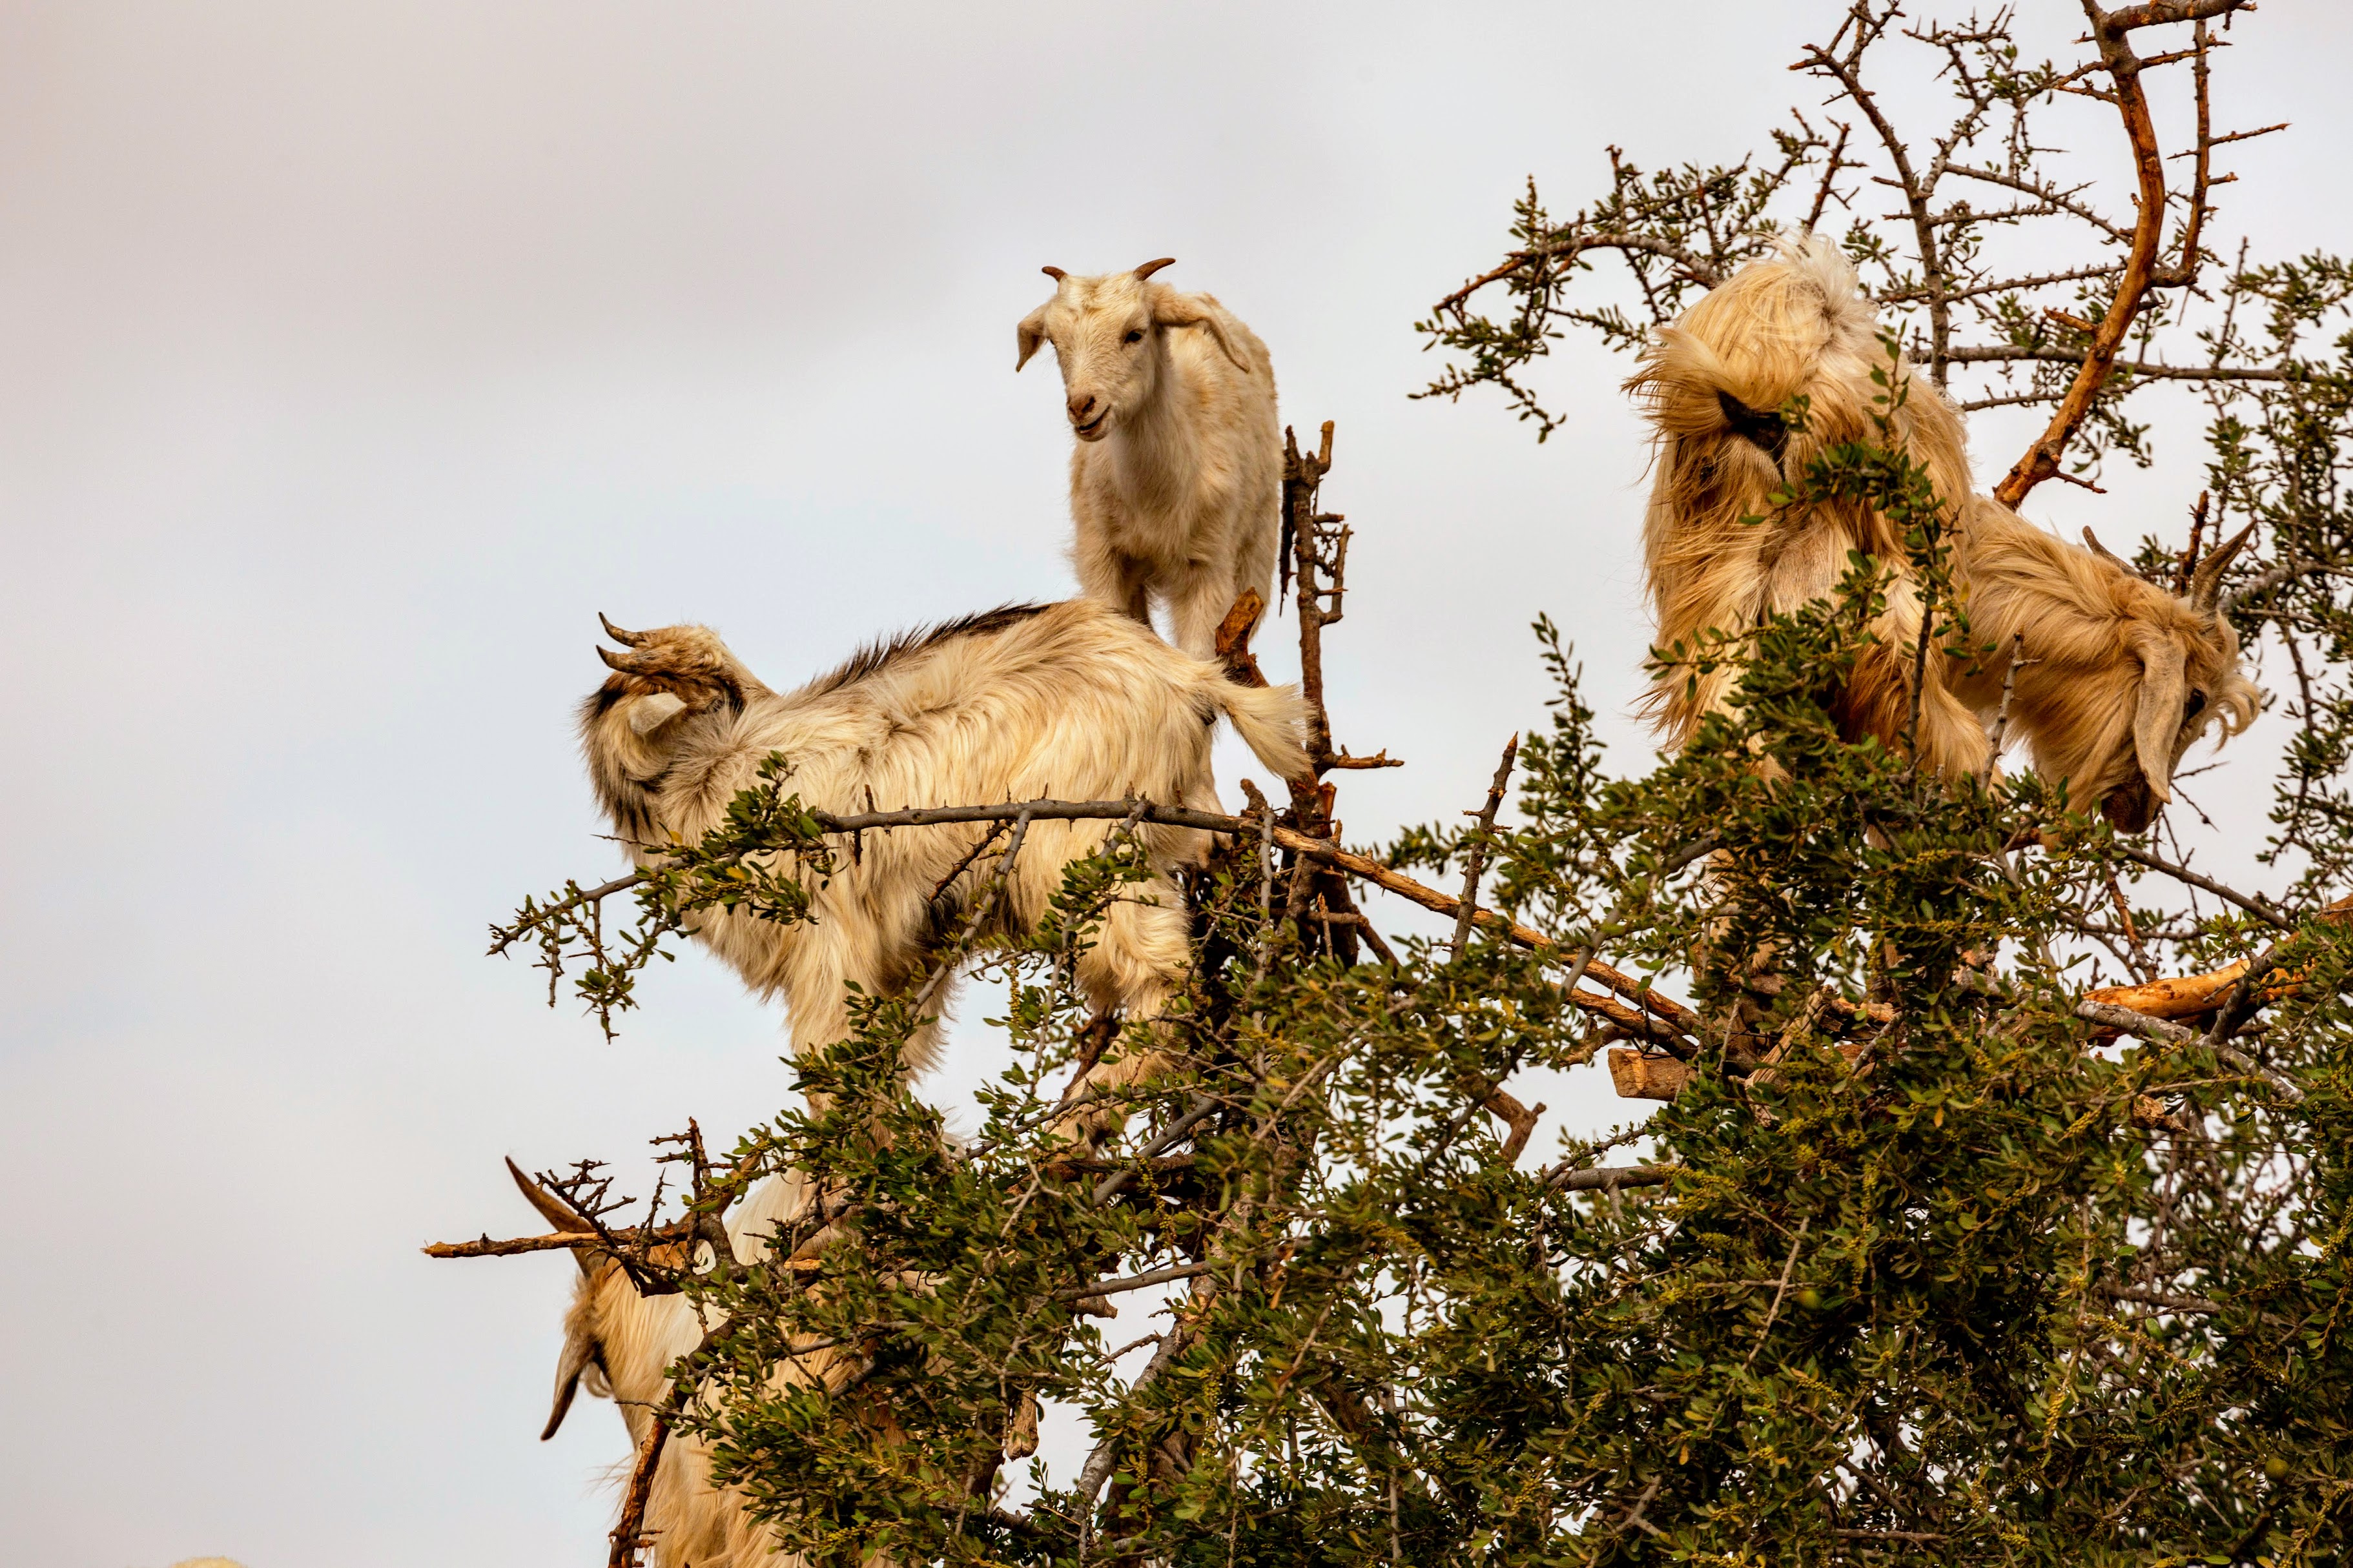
(1950, 1252)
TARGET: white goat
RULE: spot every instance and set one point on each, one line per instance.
(1070, 700)
(2116, 676)
(1177, 480)
(621, 1344)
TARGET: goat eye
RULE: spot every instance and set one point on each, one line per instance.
(1134, 336)
(2195, 705)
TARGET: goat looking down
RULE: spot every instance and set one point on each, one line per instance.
(621, 1344)
(1068, 700)
(2116, 676)
(1177, 480)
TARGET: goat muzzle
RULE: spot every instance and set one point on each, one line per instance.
(2130, 808)
(1090, 416)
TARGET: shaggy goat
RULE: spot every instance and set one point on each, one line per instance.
(1177, 480)
(1071, 701)
(2116, 676)
(622, 1343)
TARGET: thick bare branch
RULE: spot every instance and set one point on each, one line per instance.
(2111, 34)
(1610, 1177)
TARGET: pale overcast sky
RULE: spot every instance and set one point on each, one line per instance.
(353, 356)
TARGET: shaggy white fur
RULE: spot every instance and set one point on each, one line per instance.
(1177, 480)
(2116, 676)
(1070, 701)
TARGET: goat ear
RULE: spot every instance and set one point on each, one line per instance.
(578, 1356)
(2157, 724)
(1032, 332)
(1174, 310)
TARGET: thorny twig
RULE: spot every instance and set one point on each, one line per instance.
(1475, 857)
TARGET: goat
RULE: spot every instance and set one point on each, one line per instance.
(621, 1344)
(2116, 676)
(1176, 479)
(1068, 700)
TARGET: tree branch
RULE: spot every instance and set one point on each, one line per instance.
(1652, 1004)
(1132, 1282)
(1607, 1178)
(2262, 911)
(2111, 32)
(1475, 858)
(1697, 268)
(2145, 369)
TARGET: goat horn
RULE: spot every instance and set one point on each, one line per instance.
(1056, 273)
(552, 1209)
(617, 661)
(626, 639)
(2104, 553)
(1149, 267)
(2206, 582)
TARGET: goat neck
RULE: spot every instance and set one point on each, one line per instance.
(1153, 449)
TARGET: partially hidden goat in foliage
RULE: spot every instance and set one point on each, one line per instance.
(1177, 480)
(1070, 701)
(619, 1344)
(2115, 677)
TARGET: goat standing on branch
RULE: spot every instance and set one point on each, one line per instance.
(1177, 480)
(1069, 699)
(2115, 677)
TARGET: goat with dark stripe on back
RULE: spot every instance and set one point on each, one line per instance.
(1070, 700)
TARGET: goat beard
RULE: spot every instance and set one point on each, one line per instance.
(2130, 807)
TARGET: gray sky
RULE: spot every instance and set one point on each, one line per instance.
(353, 356)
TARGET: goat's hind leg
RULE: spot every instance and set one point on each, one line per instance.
(1110, 577)
(1137, 964)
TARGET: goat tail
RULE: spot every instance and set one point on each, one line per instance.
(1271, 723)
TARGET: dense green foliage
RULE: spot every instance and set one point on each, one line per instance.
(1986, 1287)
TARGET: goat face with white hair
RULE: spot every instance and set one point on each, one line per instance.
(1177, 480)
(1069, 700)
(1107, 332)
(2116, 676)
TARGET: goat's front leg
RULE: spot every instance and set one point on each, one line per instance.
(1199, 607)
(1110, 577)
